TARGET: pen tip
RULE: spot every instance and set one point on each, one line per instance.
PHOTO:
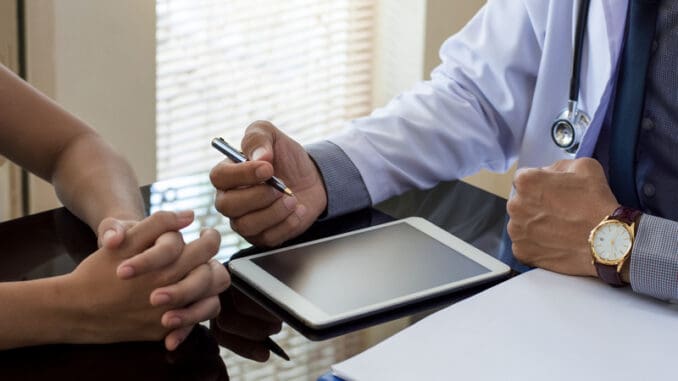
(288, 192)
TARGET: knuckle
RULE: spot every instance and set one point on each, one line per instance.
(270, 238)
(512, 229)
(222, 204)
(521, 180)
(214, 308)
(224, 281)
(512, 206)
(259, 124)
(172, 245)
(518, 253)
(243, 226)
(212, 240)
(215, 175)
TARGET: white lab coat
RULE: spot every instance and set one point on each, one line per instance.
(503, 80)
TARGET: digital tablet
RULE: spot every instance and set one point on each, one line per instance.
(336, 279)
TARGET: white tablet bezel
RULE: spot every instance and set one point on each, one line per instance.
(316, 318)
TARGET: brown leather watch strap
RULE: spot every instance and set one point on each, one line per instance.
(609, 274)
(626, 215)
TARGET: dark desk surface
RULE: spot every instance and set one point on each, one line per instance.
(53, 242)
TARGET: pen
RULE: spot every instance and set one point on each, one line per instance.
(238, 157)
(275, 348)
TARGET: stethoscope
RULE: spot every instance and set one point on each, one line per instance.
(569, 126)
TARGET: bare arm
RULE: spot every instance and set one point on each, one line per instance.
(99, 187)
(91, 179)
(92, 305)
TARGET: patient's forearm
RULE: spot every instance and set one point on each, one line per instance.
(94, 182)
(34, 312)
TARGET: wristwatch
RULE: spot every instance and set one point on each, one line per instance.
(611, 242)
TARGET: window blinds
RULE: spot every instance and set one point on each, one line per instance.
(221, 64)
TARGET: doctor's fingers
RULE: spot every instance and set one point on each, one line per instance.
(585, 165)
(144, 234)
(228, 175)
(236, 300)
(537, 183)
(246, 326)
(258, 140)
(278, 212)
(238, 202)
(291, 227)
(254, 350)
(167, 249)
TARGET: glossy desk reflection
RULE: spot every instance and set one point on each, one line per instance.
(53, 242)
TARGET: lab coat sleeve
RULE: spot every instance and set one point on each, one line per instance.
(470, 115)
(654, 259)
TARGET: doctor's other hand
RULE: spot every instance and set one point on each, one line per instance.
(552, 212)
(243, 326)
(257, 211)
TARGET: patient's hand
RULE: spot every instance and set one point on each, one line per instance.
(109, 309)
(243, 325)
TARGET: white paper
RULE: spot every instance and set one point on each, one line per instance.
(537, 326)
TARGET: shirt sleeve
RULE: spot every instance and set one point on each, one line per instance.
(654, 258)
(346, 191)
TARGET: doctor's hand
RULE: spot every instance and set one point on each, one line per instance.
(243, 326)
(257, 211)
(552, 212)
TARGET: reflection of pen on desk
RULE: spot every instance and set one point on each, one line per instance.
(275, 348)
(238, 157)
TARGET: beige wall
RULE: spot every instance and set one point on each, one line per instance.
(97, 59)
(10, 175)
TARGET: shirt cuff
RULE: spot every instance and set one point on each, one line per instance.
(346, 190)
(654, 258)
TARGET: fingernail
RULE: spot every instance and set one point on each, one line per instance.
(174, 323)
(185, 215)
(258, 153)
(160, 299)
(300, 211)
(108, 234)
(262, 172)
(125, 272)
(289, 202)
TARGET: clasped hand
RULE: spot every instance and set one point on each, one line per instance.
(145, 283)
(552, 212)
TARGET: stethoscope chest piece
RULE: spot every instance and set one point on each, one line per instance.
(569, 127)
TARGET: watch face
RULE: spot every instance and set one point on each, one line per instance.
(611, 241)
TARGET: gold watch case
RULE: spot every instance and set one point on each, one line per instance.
(597, 257)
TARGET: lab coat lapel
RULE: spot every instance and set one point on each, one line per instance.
(604, 37)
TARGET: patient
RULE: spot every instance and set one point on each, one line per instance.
(143, 283)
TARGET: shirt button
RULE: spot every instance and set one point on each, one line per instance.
(655, 45)
(647, 124)
(648, 190)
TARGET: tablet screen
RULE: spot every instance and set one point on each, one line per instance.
(369, 267)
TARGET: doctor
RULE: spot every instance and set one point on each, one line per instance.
(497, 98)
